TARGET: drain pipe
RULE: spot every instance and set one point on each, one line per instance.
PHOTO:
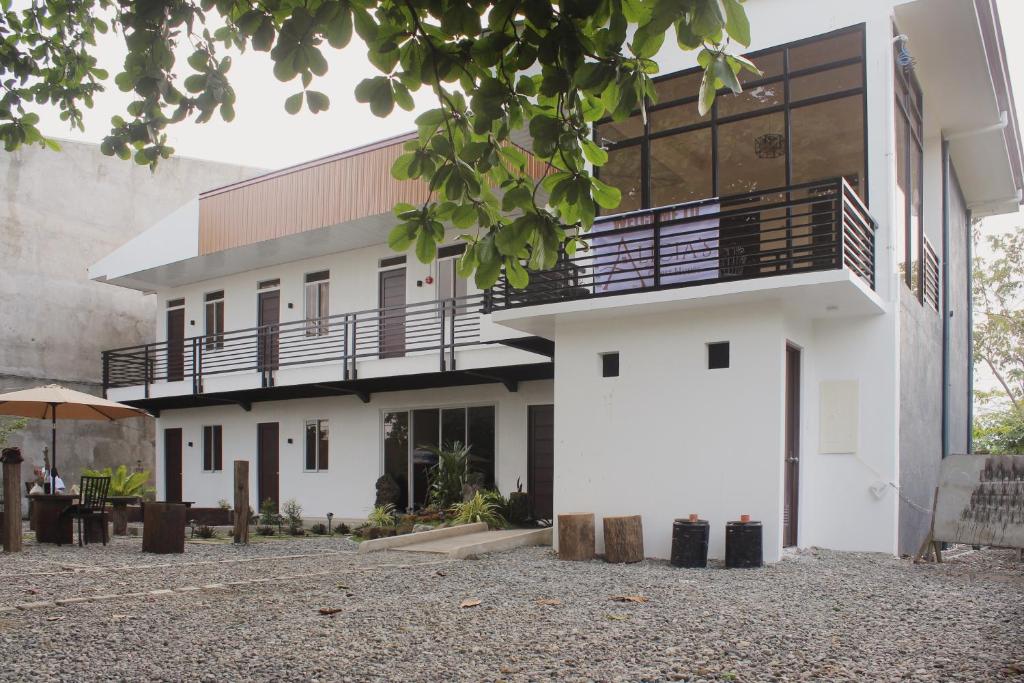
(945, 308)
(970, 334)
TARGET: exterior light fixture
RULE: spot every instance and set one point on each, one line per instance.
(770, 145)
(330, 516)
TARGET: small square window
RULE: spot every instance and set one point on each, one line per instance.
(610, 364)
(718, 355)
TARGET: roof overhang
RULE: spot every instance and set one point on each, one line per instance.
(961, 65)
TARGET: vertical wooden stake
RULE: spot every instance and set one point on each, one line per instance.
(12, 499)
(241, 501)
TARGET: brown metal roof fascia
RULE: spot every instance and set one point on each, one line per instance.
(995, 52)
(355, 151)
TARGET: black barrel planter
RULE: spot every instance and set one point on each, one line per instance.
(743, 545)
(690, 543)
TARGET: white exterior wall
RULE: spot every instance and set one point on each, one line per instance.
(355, 447)
(670, 437)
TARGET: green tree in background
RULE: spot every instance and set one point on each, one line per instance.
(999, 341)
(495, 67)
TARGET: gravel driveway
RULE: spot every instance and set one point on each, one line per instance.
(222, 613)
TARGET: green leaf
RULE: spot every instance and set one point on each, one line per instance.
(516, 274)
(736, 22)
(426, 247)
(400, 169)
(464, 216)
(606, 196)
(317, 101)
(339, 30)
(378, 93)
(293, 104)
(707, 94)
(400, 238)
(594, 153)
(487, 272)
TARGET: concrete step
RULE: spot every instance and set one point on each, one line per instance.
(394, 542)
(479, 542)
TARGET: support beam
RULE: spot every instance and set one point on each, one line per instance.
(512, 385)
(344, 391)
(244, 405)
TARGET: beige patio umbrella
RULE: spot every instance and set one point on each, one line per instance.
(53, 402)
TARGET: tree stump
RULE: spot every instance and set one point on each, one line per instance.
(576, 536)
(623, 539)
(163, 528)
(241, 534)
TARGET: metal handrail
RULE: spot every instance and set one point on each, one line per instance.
(812, 226)
(439, 325)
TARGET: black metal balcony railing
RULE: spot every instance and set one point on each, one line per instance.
(810, 227)
(930, 290)
(441, 326)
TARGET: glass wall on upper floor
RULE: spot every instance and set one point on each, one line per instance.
(802, 120)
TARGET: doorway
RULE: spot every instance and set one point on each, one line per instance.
(172, 465)
(791, 505)
(392, 315)
(176, 343)
(268, 319)
(540, 459)
(268, 463)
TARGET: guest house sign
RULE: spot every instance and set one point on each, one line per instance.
(981, 500)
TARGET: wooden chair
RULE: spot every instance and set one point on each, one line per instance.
(92, 504)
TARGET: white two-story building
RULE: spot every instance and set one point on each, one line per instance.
(775, 322)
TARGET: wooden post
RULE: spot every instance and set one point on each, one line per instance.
(12, 460)
(576, 536)
(163, 528)
(241, 501)
(623, 539)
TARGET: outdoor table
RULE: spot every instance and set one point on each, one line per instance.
(119, 514)
(51, 525)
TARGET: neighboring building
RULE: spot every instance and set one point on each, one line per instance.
(778, 327)
(59, 213)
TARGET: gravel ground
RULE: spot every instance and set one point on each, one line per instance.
(815, 616)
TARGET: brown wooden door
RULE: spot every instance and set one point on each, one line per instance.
(792, 452)
(541, 461)
(172, 465)
(268, 465)
(392, 321)
(175, 344)
(269, 318)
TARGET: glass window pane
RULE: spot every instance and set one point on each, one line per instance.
(481, 440)
(915, 227)
(311, 444)
(828, 141)
(207, 448)
(426, 428)
(751, 155)
(825, 51)
(623, 171)
(825, 82)
(681, 167)
(611, 132)
(396, 453)
(769, 63)
(218, 448)
(900, 225)
(757, 97)
(453, 426)
(677, 116)
(323, 447)
(677, 87)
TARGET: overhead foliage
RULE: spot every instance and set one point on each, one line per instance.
(998, 282)
(496, 67)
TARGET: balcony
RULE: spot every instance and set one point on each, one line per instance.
(821, 226)
(433, 343)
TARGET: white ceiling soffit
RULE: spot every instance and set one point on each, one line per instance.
(962, 96)
(332, 239)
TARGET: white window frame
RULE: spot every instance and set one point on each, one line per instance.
(214, 339)
(317, 292)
